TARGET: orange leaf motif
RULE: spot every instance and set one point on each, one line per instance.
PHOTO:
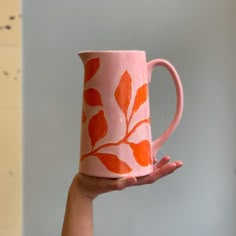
(91, 68)
(92, 97)
(142, 152)
(97, 127)
(141, 97)
(123, 92)
(113, 163)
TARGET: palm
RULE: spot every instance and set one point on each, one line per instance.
(93, 186)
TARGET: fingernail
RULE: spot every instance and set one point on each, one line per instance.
(179, 163)
(167, 157)
(174, 164)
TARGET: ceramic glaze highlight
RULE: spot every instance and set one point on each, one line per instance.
(116, 132)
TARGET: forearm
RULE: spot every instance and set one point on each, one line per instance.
(78, 219)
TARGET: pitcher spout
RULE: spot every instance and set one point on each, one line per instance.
(84, 56)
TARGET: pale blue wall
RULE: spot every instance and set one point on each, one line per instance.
(198, 37)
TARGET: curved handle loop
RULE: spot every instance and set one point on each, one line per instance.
(179, 105)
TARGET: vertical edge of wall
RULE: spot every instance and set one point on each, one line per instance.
(21, 122)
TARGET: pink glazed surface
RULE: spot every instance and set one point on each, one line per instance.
(115, 132)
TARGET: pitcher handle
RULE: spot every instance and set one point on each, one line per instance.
(156, 144)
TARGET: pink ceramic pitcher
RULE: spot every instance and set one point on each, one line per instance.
(116, 134)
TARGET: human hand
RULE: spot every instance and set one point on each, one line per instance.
(94, 186)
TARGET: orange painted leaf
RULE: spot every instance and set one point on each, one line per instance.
(113, 163)
(92, 97)
(91, 68)
(142, 152)
(97, 127)
(83, 117)
(141, 97)
(123, 92)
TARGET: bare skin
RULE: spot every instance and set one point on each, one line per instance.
(84, 189)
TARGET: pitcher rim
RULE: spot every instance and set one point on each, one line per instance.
(110, 51)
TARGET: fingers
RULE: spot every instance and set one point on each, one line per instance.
(162, 162)
(179, 163)
(160, 172)
(161, 169)
(168, 169)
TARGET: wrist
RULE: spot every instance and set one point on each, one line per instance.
(77, 189)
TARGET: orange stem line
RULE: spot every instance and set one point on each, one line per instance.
(136, 126)
(127, 125)
(100, 147)
(132, 113)
(123, 140)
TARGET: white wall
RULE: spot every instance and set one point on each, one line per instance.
(198, 37)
